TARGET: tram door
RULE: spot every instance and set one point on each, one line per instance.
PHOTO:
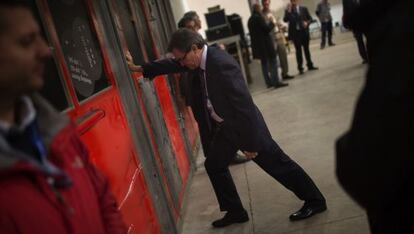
(172, 155)
(95, 103)
(162, 24)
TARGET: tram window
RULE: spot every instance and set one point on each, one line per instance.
(157, 27)
(131, 36)
(146, 34)
(53, 89)
(80, 47)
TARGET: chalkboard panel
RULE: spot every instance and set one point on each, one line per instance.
(80, 46)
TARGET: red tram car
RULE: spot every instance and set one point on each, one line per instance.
(139, 132)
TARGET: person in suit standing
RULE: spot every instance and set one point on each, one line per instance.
(374, 159)
(235, 123)
(349, 9)
(323, 11)
(299, 19)
(263, 46)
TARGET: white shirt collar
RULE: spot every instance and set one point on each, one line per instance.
(27, 114)
(204, 58)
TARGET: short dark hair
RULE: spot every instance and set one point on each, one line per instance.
(191, 14)
(184, 38)
(183, 21)
(10, 4)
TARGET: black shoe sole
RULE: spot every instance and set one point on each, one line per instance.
(316, 211)
(242, 220)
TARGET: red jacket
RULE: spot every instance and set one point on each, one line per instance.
(32, 200)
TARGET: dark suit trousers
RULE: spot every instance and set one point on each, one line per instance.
(301, 40)
(272, 160)
(359, 37)
(326, 29)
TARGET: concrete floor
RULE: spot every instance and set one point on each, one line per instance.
(305, 118)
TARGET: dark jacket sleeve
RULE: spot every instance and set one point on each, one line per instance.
(161, 67)
(112, 218)
(306, 15)
(375, 158)
(242, 104)
(287, 17)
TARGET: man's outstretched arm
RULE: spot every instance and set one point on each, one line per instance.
(155, 68)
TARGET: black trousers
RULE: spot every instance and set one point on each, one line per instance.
(301, 40)
(272, 160)
(359, 37)
(326, 29)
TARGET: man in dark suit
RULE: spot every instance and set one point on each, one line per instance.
(350, 7)
(299, 20)
(229, 114)
(189, 84)
(375, 157)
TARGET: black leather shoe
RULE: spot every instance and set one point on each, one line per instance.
(280, 85)
(288, 77)
(230, 218)
(301, 72)
(239, 158)
(313, 68)
(307, 211)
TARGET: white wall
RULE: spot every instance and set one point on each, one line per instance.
(336, 12)
(240, 7)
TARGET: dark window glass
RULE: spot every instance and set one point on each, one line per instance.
(130, 33)
(53, 89)
(145, 33)
(157, 26)
(80, 47)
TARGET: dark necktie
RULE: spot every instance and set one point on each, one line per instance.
(204, 95)
(295, 12)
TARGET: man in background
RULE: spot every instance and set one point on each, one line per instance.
(374, 159)
(278, 38)
(299, 19)
(263, 46)
(323, 11)
(349, 9)
(48, 184)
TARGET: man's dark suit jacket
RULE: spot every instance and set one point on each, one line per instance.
(261, 41)
(297, 19)
(228, 93)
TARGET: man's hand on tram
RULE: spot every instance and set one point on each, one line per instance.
(130, 62)
(250, 155)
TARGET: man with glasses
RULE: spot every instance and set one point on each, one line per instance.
(187, 87)
(234, 122)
